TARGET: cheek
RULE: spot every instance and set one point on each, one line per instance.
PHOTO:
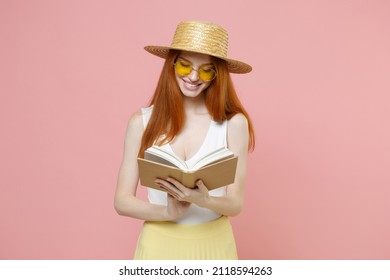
(206, 85)
(177, 78)
(179, 82)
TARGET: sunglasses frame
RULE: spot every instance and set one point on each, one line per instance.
(197, 70)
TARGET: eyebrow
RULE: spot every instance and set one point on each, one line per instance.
(180, 57)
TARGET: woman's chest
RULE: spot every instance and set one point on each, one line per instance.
(190, 140)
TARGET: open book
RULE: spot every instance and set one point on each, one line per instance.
(216, 169)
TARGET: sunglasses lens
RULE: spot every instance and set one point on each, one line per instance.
(183, 68)
(206, 74)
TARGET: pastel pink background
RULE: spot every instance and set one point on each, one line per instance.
(72, 73)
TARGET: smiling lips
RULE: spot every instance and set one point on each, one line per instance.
(191, 86)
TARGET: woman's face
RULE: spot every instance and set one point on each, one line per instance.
(191, 85)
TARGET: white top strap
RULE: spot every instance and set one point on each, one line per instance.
(146, 114)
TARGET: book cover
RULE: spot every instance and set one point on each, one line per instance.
(216, 169)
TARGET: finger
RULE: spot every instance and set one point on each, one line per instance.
(175, 187)
(171, 194)
(201, 186)
(177, 184)
(166, 185)
(183, 191)
(161, 187)
(176, 196)
(160, 181)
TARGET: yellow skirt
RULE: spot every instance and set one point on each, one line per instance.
(170, 241)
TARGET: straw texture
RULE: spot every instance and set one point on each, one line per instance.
(201, 37)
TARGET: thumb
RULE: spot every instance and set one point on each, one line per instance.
(201, 186)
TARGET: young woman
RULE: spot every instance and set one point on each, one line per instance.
(194, 110)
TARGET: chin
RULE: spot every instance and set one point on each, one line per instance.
(191, 93)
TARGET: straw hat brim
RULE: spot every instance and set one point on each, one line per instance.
(234, 66)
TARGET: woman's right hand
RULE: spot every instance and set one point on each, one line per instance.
(175, 208)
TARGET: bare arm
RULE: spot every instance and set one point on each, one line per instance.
(232, 203)
(126, 203)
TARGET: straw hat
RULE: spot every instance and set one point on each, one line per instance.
(201, 37)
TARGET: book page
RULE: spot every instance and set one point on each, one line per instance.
(214, 156)
(155, 153)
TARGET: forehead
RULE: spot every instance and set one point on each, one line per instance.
(196, 58)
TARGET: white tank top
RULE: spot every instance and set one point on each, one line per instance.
(215, 138)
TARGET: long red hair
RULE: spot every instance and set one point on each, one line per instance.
(168, 117)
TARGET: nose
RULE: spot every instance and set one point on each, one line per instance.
(194, 75)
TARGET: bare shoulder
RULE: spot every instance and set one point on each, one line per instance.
(135, 126)
(238, 123)
(136, 120)
(238, 133)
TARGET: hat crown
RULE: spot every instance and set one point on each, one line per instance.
(202, 37)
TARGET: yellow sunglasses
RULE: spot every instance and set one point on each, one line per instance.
(184, 68)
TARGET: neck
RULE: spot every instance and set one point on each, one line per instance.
(194, 105)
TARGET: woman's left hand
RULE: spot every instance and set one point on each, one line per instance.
(197, 195)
